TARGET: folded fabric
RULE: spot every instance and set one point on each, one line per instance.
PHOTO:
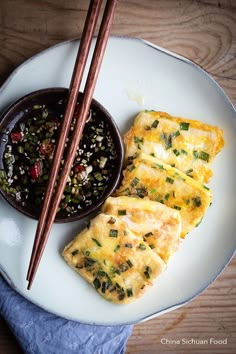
(40, 332)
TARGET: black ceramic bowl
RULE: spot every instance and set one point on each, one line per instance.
(23, 181)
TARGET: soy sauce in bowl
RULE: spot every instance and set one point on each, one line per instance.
(28, 136)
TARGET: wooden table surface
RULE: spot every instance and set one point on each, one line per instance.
(201, 30)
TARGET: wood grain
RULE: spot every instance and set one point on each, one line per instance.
(203, 31)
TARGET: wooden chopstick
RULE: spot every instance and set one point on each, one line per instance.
(49, 216)
(82, 55)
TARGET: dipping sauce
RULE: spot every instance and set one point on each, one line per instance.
(28, 157)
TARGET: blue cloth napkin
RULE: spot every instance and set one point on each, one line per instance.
(40, 332)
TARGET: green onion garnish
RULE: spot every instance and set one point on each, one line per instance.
(97, 242)
(204, 156)
(184, 152)
(169, 180)
(167, 196)
(135, 182)
(129, 292)
(147, 272)
(148, 234)
(197, 201)
(122, 212)
(167, 139)
(155, 123)
(97, 283)
(201, 155)
(116, 248)
(75, 252)
(184, 126)
(138, 140)
(176, 133)
(128, 245)
(130, 264)
(113, 233)
(161, 167)
(123, 267)
(176, 152)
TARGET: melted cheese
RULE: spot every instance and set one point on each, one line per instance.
(110, 258)
(153, 222)
(188, 145)
(152, 178)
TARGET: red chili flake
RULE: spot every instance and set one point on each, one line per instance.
(36, 170)
(16, 136)
(46, 149)
(79, 168)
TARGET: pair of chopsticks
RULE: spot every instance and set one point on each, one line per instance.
(52, 198)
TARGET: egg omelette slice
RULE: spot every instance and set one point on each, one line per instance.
(152, 178)
(113, 260)
(189, 145)
(153, 222)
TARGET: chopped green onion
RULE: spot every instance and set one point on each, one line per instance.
(113, 233)
(167, 196)
(204, 156)
(176, 133)
(184, 152)
(75, 252)
(169, 180)
(122, 212)
(130, 264)
(142, 247)
(131, 168)
(147, 272)
(142, 192)
(98, 176)
(176, 152)
(138, 140)
(97, 242)
(129, 292)
(116, 248)
(161, 167)
(197, 201)
(128, 245)
(135, 182)
(123, 267)
(97, 283)
(148, 234)
(184, 126)
(167, 139)
(155, 123)
(152, 191)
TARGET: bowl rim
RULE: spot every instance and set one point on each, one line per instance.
(6, 118)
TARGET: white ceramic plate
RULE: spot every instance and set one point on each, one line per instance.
(135, 75)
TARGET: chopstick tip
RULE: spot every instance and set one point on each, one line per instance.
(29, 285)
